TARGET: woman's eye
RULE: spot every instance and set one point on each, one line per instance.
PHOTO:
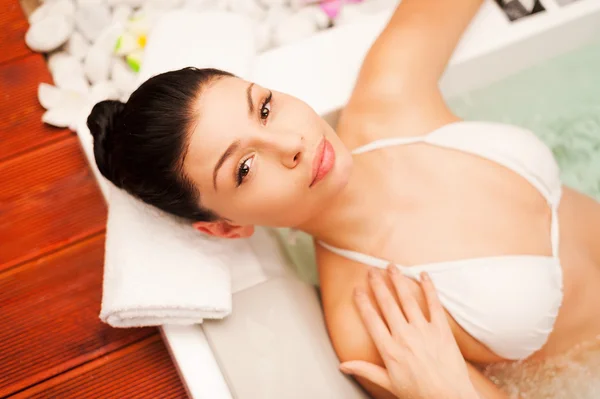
(243, 170)
(265, 110)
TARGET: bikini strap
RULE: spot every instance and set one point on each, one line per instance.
(357, 256)
(389, 142)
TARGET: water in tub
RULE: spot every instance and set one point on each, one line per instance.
(559, 100)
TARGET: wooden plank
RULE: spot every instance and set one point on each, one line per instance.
(49, 312)
(13, 26)
(48, 198)
(21, 127)
(142, 371)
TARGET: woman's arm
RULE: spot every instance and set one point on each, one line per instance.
(484, 387)
(351, 339)
(405, 62)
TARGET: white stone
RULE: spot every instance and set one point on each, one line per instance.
(121, 12)
(264, 28)
(123, 78)
(131, 3)
(67, 73)
(57, 7)
(164, 4)
(97, 62)
(295, 5)
(77, 46)
(204, 5)
(294, 27)
(250, 8)
(274, 3)
(85, 3)
(91, 19)
(104, 90)
(49, 33)
(262, 34)
(320, 17)
(141, 21)
(57, 58)
(49, 96)
(66, 111)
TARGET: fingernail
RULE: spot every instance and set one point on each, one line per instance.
(392, 269)
(425, 276)
(345, 369)
(359, 293)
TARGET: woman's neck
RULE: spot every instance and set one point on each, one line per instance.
(345, 220)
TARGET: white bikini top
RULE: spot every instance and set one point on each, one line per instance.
(509, 303)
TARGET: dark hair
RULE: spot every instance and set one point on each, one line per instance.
(140, 145)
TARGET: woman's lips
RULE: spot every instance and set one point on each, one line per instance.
(323, 161)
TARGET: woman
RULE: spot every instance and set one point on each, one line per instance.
(480, 207)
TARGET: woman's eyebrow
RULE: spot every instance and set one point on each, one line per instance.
(230, 150)
(249, 98)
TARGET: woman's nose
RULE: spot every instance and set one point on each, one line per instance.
(289, 147)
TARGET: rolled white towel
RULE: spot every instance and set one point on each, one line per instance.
(157, 269)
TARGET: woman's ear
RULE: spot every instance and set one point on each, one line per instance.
(224, 229)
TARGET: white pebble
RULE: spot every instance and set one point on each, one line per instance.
(58, 57)
(295, 27)
(262, 34)
(264, 28)
(77, 46)
(202, 5)
(85, 3)
(98, 60)
(67, 72)
(164, 4)
(66, 111)
(123, 77)
(57, 7)
(320, 17)
(132, 3)
(49, 33)
(91, 19)
(49, 96)
(142, 20)
(103, 90)
(274, 3)
(96, 65)
(250, 8)
(121, 12)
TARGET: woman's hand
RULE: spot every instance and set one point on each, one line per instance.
(421, 357)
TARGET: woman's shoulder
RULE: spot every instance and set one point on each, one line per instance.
(367, 119)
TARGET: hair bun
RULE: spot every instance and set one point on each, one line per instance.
(103, 122)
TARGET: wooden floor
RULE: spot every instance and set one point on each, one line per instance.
(52, 219)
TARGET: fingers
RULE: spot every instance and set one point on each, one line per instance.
(368, 371)
(436, 311)
(375, 326)
(387, 303)
(411, 308)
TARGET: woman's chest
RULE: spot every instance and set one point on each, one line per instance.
(436, 204)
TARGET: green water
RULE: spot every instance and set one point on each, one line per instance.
(558, 100)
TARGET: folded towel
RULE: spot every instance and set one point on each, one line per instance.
(159, 270)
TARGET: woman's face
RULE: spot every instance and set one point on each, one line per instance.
(260, 157)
